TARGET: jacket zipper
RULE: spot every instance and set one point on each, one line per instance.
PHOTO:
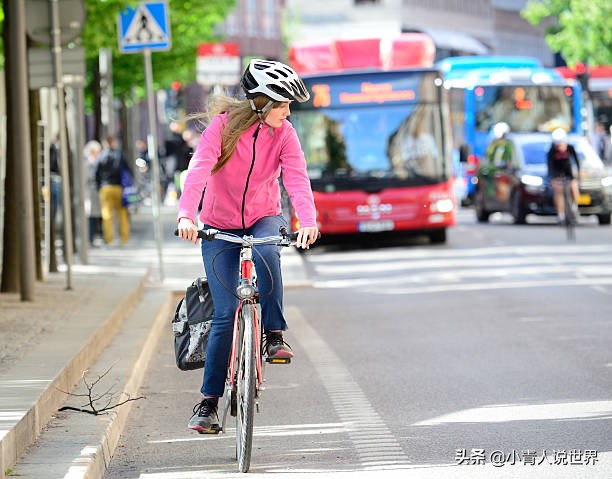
(246, 186)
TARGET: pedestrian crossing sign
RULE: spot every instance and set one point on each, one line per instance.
(145, 26)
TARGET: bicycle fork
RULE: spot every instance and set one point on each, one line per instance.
(230, 404)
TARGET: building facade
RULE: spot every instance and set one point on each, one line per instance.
(256, 26)
(456, 26)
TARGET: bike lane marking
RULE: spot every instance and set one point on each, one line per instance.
(376, 447)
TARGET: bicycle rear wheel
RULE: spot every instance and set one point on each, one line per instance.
(245, 390)
(570, 216)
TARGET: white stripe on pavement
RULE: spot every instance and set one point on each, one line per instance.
(365, 427)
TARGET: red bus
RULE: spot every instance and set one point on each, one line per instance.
(376, 137)
(600, 87)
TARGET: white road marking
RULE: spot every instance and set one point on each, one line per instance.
(364, 426)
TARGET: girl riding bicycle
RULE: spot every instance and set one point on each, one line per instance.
(559, 160)
(242, 153)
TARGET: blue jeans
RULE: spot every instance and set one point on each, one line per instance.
(221, 263)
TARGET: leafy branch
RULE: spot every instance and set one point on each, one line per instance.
(98, 403)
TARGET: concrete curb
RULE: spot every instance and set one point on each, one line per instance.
(79, 445)
(28, 428)
(101, 457)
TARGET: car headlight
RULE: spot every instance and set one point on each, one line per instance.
(607, 181)
(531, 180)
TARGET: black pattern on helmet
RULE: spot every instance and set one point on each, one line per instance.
(275, 80)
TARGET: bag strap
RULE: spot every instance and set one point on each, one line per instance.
(199, 285)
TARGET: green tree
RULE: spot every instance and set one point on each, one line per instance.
(580, 29)
(191, 23)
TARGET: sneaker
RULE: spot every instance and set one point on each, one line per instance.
(575, 210)
(276, 347)
(205, 419)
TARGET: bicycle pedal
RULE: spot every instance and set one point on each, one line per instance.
(278, 360)
(214, 429)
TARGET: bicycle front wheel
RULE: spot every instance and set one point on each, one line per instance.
(245, 389)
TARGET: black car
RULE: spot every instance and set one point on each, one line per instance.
(513, 177)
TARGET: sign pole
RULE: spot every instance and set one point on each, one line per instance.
(65, 172)
(143, 29)
(152, 150)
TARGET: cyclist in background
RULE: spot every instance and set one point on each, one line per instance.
(559, 160)
(242, 153)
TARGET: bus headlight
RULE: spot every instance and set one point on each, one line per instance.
(444, 205)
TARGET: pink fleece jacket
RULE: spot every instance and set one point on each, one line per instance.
(275, 152)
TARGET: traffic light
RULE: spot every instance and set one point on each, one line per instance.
(582, 74)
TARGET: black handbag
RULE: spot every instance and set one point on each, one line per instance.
(191, 325)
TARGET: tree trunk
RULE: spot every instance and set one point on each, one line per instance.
(127, 144)
(10, 251)
(19, 231)
(36, 178)
(97, 102)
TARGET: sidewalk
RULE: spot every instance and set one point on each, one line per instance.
(110, 321)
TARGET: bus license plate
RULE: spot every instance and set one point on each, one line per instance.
(584, 199)
(375, 226)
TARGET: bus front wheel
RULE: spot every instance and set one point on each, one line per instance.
(438, 236)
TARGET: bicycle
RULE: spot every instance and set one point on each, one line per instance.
(247, 356)
(568, 206)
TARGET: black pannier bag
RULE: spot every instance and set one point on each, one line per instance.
(191, 325)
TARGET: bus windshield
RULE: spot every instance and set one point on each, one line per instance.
(525, 108)
(389, 143)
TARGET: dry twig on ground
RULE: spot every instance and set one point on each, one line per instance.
(99, 403)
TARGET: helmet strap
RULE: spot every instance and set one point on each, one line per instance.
(263, 111)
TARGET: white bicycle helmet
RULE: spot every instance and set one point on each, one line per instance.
(275, 80)
(500, 130)
(559, 136)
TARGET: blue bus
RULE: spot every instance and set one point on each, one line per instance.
(486, 90)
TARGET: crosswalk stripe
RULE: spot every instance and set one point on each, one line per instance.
(425, 271)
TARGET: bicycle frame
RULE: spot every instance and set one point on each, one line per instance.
(246, 285)
(248, 299)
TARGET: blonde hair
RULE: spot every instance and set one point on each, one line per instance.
(240, 117)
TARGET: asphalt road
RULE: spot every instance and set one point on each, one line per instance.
(488, 357)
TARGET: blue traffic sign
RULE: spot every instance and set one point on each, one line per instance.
(144, 27)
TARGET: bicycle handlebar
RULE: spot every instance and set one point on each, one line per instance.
(284, 238)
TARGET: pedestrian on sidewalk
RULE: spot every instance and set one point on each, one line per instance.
(110, 166)
(601, 143)
(242, 153)
(92, 198)
(56, 182)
